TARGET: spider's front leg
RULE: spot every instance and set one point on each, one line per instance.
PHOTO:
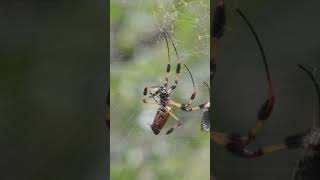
(263, 114)
(266, 109)
(179, 122)
(178, 68)
(185, 107)
(235, 145)
(146, 98)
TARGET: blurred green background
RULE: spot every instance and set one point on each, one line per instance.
(138, 59)
(53, 88)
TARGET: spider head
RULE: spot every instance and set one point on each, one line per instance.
(163, 93)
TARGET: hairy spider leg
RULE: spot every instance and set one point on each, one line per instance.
(178, 62)
(168, 65)
(186, 108)
(294, 141)
(178, 71)
(146, 98)
(237, 148)
(233, 145)
(236, 144)
(181, 106)
(169, 110)
(266, 108)
(193, 96)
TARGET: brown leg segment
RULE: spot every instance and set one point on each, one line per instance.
(169, 110)
(186, 108)
(266, 109)
(146, 98)
(178, 61)
(168, 65)
(236, 146)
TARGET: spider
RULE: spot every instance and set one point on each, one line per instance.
(160, 95)
(235, 143)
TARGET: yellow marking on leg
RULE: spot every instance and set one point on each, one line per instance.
(274, 148)
(178, 105)
(174, 116)
(255, 130)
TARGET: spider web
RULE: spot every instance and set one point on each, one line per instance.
(135, 152)
(194, 14)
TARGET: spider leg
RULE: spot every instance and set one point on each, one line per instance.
(242, 151)
(193, 96)
(263, 115)
(146, 98)
(266, 108)
(150, 102)
(237, 148)
(185, 107)
(178, 61)
(177, 69)
(243, 140)
(168, 65)
(176, 125)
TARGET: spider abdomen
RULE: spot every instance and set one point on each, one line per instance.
(159, 121)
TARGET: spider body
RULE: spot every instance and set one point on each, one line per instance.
(164, 96)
